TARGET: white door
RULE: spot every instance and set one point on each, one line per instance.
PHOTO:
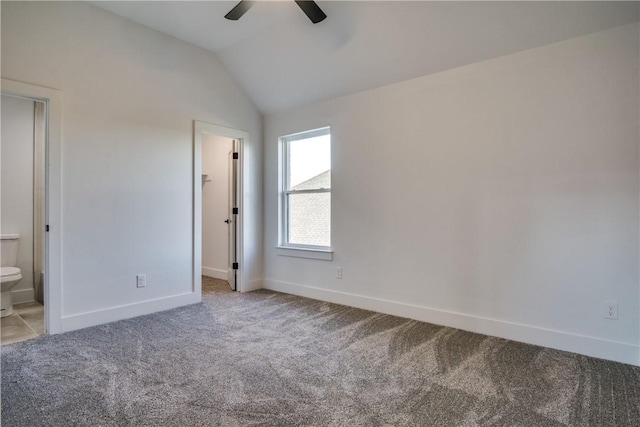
(232, 221)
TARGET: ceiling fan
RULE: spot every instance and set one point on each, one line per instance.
(310, 8)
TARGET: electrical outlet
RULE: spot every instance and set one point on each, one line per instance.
(141, 280)
(611, 310)
(338, 272)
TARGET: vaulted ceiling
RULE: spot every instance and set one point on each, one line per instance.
(282, 60)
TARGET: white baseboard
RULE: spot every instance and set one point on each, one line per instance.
(99, 317)
(589, 346)
(215, 273)
(22, 295)
(253, 285)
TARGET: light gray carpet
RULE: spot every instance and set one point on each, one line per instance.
(267, 358)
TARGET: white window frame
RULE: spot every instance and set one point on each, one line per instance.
(284, 247)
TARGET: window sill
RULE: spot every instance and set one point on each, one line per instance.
(321, 254)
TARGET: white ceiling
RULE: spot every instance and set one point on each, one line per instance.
(284, 61)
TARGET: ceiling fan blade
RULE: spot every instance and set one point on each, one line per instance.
(239, 10)
(312, 10)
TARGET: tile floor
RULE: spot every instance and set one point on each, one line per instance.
(210, 284)
(25, 323)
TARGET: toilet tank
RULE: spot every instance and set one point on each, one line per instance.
(9, 249)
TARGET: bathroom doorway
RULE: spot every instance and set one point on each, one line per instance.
(31, 214)
(218, 206)
(22, 224)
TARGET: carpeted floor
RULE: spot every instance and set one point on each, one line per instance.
(272, 359)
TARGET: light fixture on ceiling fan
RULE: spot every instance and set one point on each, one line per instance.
(310, 8)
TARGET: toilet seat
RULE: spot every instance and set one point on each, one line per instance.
(9, 273)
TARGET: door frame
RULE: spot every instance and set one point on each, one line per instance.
(52, 99)
(199, 129)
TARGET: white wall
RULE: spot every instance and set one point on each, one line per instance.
(500, 197)
(130, 95)
(17, 186)
(215, 206)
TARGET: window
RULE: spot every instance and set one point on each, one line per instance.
(305, 197)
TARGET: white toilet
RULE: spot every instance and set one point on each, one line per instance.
(10, 274)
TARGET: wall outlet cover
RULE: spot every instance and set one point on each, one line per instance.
(611, 310)
(141, 280)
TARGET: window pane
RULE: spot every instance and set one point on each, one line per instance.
(309, 163)
(309, 219)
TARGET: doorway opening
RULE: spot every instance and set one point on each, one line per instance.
(31, 118)
(219, 204)
(218, 207)
(22, 223)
